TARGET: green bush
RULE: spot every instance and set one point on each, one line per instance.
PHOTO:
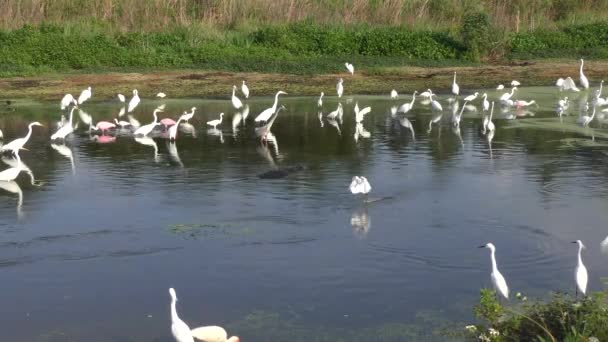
(475, 34)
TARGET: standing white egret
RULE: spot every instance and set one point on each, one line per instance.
(471, 97)
(121, 98)
(17, 144)
(340, 88)
(67, 100)
(350, 68)
(245, 90)
(333, 115)
(426, 94)
(435, 105)
(406, 107)
(394, 94)
(485, 104)
(455, 87)
(500, 87)
(499, 282)
(583, 78)
(507, 96)
(488, 125)
(85, 95)
(320, 101)
(11, 173)
(585, 120)
(456, 118)
(147, 129)
(134, 101)
(267, 113)
(580, 273)
(121, 123)
(66, 129)
(359, 185)
(214, 123)
(515, 83)
(161, 95)
(236, 102)
(188, 116)
(566, 84)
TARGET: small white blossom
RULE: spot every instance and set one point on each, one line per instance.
(493, 332)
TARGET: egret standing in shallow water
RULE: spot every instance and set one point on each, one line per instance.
(585, 120)
(214, 123)
(134, 101)
(485, 105)
(340, 88)
(188, 116)
(580, 273)
(173, 129)
(245, 90)
(17, 144)
(85, 95)
(583, 78)
(267, 113)
(236, 102)
(488, 125)
(498, 281)
(471, 97)
(455, 87)
(147, 129)
(66, 129)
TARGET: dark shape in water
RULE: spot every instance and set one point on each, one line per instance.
(280, 173)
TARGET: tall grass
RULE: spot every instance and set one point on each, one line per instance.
(154, 15)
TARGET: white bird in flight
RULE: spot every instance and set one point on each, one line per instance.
(498, 281)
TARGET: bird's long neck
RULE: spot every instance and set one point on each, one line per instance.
(29, 132)
(493, 257)
(582, 66)
(174, 316)
(580, 259)
(592, 115)
(276, 102)
(155, 117)
(413, 99)
(462, 110)
(234, 90)
(454, 77)
(71, 115)
(491, 111)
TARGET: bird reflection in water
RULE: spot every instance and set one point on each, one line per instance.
(173, 153)
(361, 222)
(361, 132)
(187, 128)
(66, 152)
(17, 163)
(405, 122)
(14, 188)
(216, 132)
(149, 142)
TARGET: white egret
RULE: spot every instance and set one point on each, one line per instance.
(499, 282)
(134, 101)
(340, 88)
(435, 105)
(121, 98)
(426, 94)
(359, 185)
(147, 129)
(455, 87)
(66, 129)
(17, 144)
(320, 115)
(507, 96)
(11, 173)
(236, 102)
(121, 123)
(585, 120)
(320, 101)
(566, 84)
(580, 273)
(267, 113)
(161, 95)
(394, 94)
(488, 125)
(214, 123)
(188, 116)
(338, 112)
(471, 97)
(406, 107)
(485, 104)
(350, 68)
(515, 83)
(67, 100)
(360, 114)
(456, 118)
(173, 129)
(500, 87)
(583, 79)
(85, 95)
(245, 90)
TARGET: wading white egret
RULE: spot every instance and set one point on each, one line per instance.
(147, 129)
(500, 87)
(320, 101)
(455, 87)
(17, 144)
(456, 118)
(161, 95)
(566, 84)
(359, 185)
(121, 123)
(471, 97)
(188, 116)
(394, 94)
(585, 120)
(580, 273)
(488, 125)
(515, 83)
(66, 129)
(435, 105)
(134, 101)
(406, 107)
(245, 90)
(350, 68)
(214, 123)
(67, 100)
(85, 95)
(507, 96)
(121, 98)
(340, 88)
(583, 78)
(236, 102)
(267, 113)
(498, 281)
(485, 104)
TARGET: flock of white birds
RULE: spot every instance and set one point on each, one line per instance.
(264, 121)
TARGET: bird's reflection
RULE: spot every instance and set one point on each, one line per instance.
(122, 112)
(85, 118)
(320, 115)
(394, 111)
(19, 164)
(456, 131)
(216, 132)
(405, 122)
(149, 142)
(360, 131)
(14, 188)
(435, 119)
(187, 128)
(335, 124)
(102, 139)
(134, 122)
(470, 108)
(604, 245)
(245, 113)
(173, 153)
(236, 121)
(360, 222)
(66, 152)
(489, 137)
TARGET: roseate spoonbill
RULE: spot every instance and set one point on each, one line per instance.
(498, 281)
(104, 126)
(167, 122)
(267, 113)
(17, 144)
(580, 273)
(214, 123)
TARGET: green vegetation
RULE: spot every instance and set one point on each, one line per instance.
(563, 318)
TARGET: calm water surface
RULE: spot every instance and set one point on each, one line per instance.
(88, 251)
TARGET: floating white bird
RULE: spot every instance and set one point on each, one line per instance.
(236, 102)
(336, 113)
(320, 101)
(267, 113)
(245, 90)
(121, 98)
(214, 123)
(585, 120)
(583, 78)
(471, 97)
(11, 173)
(507, 96)
(67, 100)
(161, 95)
(406, 107)
(435, 105)
(188, 116)
(85, 95)
(394, 94)
(360, 185)
(66, 129)
(360, 114)
(350, 68)
(498, 280)
(182, 333)
(340, 88)
(580, 273)
(134, 101)
(17, 144)
(514, 83)
(147, 129)
(455, 87)
(485, 104)
(566, 84)
(500, 87)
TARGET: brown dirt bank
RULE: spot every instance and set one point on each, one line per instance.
(194, 83)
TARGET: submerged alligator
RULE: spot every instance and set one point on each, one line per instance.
(281, 172)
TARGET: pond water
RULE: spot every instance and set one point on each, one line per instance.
(99, 229)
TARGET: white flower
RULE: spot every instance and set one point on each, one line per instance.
(484, 338)
(493, 332)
